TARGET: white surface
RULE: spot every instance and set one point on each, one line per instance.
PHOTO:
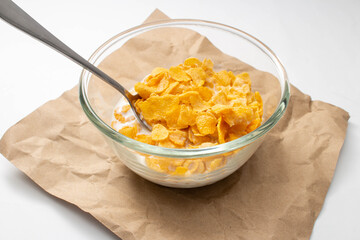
(318, 42)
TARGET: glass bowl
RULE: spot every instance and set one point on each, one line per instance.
(131, 55)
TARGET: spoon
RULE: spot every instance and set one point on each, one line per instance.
(18, 18)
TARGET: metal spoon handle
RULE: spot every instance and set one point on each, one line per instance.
(18, 18)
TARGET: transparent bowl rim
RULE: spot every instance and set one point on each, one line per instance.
(185, 153)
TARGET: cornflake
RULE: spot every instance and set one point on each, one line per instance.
(192, 106)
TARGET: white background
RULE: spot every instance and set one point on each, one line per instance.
(318, 42)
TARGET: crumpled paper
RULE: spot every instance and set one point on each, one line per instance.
(277, 194)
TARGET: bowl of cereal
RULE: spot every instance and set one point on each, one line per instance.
(211, 93)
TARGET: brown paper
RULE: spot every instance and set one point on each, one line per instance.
(277, 194)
